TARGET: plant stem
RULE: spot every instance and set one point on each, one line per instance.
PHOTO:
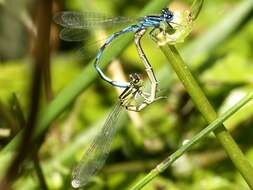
(203, 133)
(196, 8)
(203, 105)
(39, 172)
(41, 55)
(19, 114)
(192, 51)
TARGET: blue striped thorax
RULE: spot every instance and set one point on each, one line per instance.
(154, 21)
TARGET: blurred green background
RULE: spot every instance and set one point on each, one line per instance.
(219, 51)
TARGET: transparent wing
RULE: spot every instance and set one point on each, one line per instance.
(73, 34)
(86, 20)
(95, 156)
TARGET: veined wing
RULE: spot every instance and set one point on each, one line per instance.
(73, 34)
(95, 156)
(86, 20)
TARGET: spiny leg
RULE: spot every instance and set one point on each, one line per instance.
(164, 33)
(131, 93)
(154, 32)
(142, 105)
(137, 108)
(148, 67)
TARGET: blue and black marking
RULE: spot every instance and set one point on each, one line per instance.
(144, 23)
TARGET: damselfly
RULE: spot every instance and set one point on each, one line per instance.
(75, 23)
(95, 156)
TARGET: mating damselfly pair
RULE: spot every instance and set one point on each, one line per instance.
(76, 23)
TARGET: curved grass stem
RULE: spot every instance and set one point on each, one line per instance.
(196, 8)
(203, 133)
(203, 105)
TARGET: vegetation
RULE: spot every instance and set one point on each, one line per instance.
(52, 102)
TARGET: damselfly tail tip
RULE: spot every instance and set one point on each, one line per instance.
(75, 183)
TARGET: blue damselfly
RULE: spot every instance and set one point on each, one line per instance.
(75, 23)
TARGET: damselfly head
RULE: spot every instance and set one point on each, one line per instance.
(167, 15)
(135, 79)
